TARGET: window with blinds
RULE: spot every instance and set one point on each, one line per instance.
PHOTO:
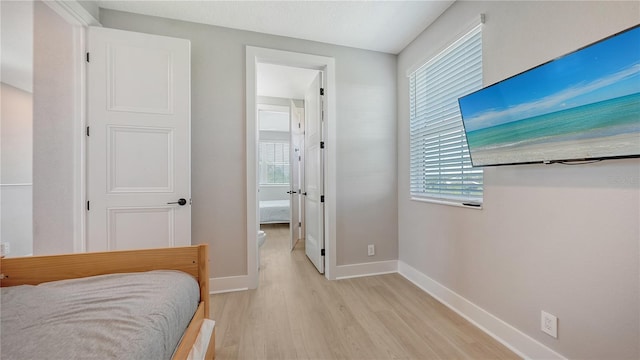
(440, 166)
(274, 163)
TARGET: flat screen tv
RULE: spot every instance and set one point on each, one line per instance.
(582, 106)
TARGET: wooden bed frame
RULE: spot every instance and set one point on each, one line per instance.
(190, 259)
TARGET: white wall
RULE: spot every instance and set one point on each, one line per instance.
(53, 132)
(16, 144)
(16, 37)
(274, 192)
(16, 124)
(366, 126)
(564, 239)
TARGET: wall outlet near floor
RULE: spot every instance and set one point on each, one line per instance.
(5, 249)
(371, 250)
(549, 324)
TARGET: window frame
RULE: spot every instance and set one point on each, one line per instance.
(420, 139)
(285, 164)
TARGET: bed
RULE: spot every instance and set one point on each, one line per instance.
(274, 211)
(139, 304)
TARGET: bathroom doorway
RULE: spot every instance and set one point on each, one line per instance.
(321, 221)
(281, 158)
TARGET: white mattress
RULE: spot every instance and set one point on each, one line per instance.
(274, 211)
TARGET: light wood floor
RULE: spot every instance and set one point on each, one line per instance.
(297, 314)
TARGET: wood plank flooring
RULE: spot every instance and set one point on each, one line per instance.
(297, 314)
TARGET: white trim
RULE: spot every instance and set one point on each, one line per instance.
(274, 108)
(271, 100)
(256, 55)
(514, 339)
(366, 269)
(72, 12)
(228, 284)
(252, 168)
(18, 184)
(459, 203)
(477, 21)
(79, 144)
(79, 18)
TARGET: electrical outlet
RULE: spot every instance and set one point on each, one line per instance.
(549, 324)
(371, 250)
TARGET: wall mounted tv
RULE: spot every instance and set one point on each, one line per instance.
(582, 106)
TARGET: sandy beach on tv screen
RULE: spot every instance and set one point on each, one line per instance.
(618, 145)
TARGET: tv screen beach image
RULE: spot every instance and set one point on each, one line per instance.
(584, 105)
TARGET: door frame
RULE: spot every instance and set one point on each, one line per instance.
(79, 18)
(255, 55)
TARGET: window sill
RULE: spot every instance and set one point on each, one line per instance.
(458, 203)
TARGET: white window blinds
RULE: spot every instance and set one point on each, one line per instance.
(274, 163)
(440, 166)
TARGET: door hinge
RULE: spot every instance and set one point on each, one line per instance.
(87, 57)
(298, 125)
(321, 91)
(299, 158)
(88, 206)
(321, 198)
(300, 224)
(321, 252)
(87, 131)
(321, 144)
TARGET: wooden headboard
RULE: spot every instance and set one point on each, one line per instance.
(33, 270)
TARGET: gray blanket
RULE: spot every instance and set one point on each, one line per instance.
(134, 316)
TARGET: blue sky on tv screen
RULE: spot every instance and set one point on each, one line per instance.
(602, 71)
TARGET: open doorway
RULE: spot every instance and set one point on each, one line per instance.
(281, 151)
(324, 131)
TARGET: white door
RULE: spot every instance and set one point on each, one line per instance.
(138, 148)
(296, 171)
(313, 174)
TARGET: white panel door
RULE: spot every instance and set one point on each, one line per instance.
(313, 174)
(138, 148)
(296, 171)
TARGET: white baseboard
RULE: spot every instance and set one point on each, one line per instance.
(366, 269)
(519, 342)
(228, 284)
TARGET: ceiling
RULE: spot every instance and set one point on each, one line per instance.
(386, 26)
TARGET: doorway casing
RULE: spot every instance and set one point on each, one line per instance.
(79, 19)
(255, 55)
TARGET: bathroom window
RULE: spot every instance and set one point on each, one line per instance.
(274, 163)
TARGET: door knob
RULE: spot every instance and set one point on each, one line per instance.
(180, 202)
(291, 192)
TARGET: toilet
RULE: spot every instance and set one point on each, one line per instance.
(262, 236)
